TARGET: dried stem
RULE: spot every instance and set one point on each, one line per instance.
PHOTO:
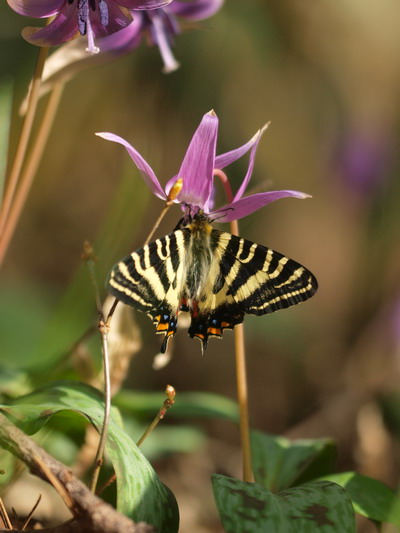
(4, 515)
(28, 518)
(30, 169)
(167, 404)
(240, 359)
(24, 137)
(89, 258)
(107, 407)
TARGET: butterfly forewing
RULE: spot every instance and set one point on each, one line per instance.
(150, 279)
(261, 280)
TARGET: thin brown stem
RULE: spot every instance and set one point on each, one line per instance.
(157, 223)
(89, 258)
(30, 169)
(4, 515)
(104, 329)
(240, 361)
(29, 517)
(24, 137)
(167, 404)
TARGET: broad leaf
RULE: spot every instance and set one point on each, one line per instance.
(141, 495)
(279, 463)
(312, 508)
(370, 497)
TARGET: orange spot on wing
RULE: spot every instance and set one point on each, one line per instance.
(214, 331)
(226, 325)
(162, 327)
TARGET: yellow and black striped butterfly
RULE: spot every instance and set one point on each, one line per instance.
(214, 275)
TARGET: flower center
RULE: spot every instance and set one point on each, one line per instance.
(84, 8)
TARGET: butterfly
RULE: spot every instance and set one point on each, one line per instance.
(215, 276)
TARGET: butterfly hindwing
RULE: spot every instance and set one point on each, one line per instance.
(247, 278)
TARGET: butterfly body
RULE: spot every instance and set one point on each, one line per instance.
(214, 275)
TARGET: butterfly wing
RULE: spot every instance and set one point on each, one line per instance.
(151, 280)
(247, 278)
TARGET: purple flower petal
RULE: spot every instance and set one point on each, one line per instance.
(62, 29)
(247, 177)
(124, 40)
(143, 4)
(223, 160)
(249, 204)
(160, 36)
(147, 172)
(36, 8)
(118, 18)
(197, 167)
(196, 10)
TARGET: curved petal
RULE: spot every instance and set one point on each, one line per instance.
(118, 18)
(147, 172)
(245, 206)
(196, 10)
(124, 40)
(249, 172)
(143, 4)
(197, 167)
(62, 29)
(223, 160)
(36, 8)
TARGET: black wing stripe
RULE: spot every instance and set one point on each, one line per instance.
(148, 276)
(258, 279)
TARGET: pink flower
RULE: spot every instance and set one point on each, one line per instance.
(197, 174)
(94, 18)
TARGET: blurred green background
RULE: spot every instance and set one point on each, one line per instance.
(327, 76)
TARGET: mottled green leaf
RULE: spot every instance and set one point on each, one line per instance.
(370, 497)
(318, 507)
(141, 495)
(279, 463)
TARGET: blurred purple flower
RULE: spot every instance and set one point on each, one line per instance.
(160, 27)
(363, 160)
(197, 174)
(93, 18)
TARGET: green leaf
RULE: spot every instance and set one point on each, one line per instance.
(141, 495)
(370, 497)
(314, 507)
(279, 463)
(187, 404)
(5, 119)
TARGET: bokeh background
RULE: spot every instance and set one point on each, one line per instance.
(327, 76)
